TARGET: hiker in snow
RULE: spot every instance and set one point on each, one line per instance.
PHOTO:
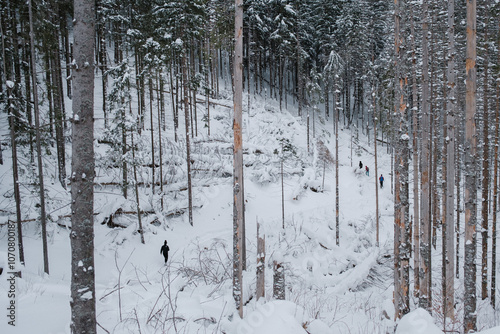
(381, 179)
(360, 165)
(367, 171)
(164, 250)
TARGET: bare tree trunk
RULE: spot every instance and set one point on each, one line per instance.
(58, 116)
(425, 300)
(83, 315)
(238, 205)
(137, 201)
(449, 302)
(17, 196)
(470, 315)
(486, 168)
(416, 207)
(161, 122)
(337, 195)
(282, 191)
(153, 179)
(188, 148)
(401, 219)
(278, 280)
(376, 168)
(261, 262)
(12, 120)
(495, 193)
(38, 146)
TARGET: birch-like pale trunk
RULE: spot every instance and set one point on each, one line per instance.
(83, 308)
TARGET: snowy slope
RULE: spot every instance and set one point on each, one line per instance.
(330, 289)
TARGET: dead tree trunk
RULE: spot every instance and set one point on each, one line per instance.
(238, 206)
(278, 280)
(261, 262)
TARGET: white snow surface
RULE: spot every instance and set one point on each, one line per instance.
(330, 288)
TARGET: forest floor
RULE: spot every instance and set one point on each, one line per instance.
(345, 288)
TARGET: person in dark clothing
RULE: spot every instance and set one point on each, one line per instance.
(381, 179)
(360, 165)
(164, 250)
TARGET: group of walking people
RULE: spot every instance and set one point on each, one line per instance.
(367, 172)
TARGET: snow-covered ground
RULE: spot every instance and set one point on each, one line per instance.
(329, 289)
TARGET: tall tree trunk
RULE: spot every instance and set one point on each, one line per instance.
(153, 167)
(376, 168)
(425, 300)
(137, 201)
(238, 205)
(13, 115)
(188, 146)
(470, 315)
(495, 191)
(449, 302)
(83, 314)
(38, 145)
(401, 221)
(337, 195)
(416, 207)
(486, 168)
(58, 116)
(13, 132)
(161, 122)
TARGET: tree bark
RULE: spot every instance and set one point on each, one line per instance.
(238, 205)
(38, 146)
(449, 302)
(188, 146)
(416, 207)
(83, 313)
(470, 315)
(495, 193)
(261, 262)
(425, 300)
(486, 168)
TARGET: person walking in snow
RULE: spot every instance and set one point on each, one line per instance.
(164, 250)
(381, 179)
(367, 171)
(360, 165)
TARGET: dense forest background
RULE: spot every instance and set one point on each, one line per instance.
(396, 73)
